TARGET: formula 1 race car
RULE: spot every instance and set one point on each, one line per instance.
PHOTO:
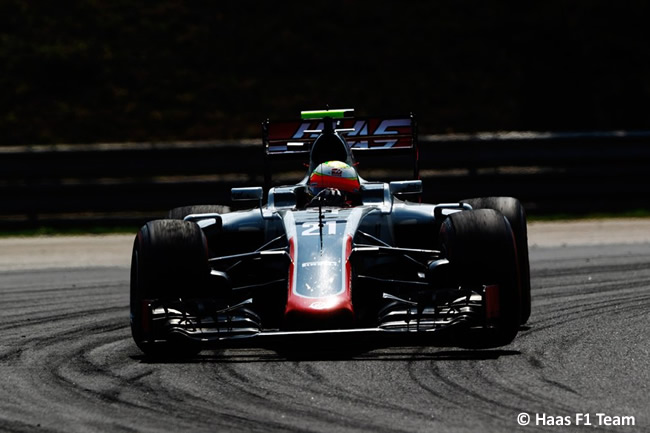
(334, 257)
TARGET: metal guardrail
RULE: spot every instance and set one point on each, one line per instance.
(129, 183)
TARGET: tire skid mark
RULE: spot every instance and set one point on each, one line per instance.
(541, 390)
(281, 394)
(74, 367)
(460, 392)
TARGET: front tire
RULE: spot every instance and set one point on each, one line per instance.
(512, 209)
(169, 262)
(480, 247)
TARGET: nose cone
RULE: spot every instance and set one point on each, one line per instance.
(332, 312)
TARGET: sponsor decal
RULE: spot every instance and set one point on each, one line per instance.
(369, 133)
(321, 263)
(362, 128)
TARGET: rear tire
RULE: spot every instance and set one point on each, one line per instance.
(512, 209)
(178, 213)
(169, 261)
(480, 247)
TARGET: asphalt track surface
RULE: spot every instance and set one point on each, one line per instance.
(68, 364)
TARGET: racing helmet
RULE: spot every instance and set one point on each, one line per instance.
(334, 174)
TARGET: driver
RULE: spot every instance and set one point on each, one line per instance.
(334, 183)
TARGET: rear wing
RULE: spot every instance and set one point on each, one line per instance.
(372, 136)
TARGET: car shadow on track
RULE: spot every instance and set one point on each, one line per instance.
(243, 356)
(408, 347)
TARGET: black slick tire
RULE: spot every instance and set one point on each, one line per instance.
(169, 261)
(512, 209)
(480, 247)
